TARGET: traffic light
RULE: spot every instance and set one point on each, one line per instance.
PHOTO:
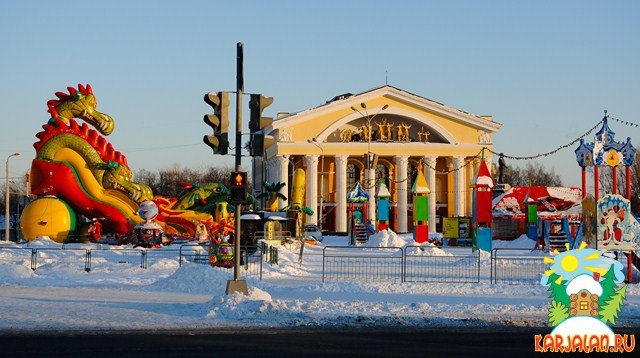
(257, 104)
(238, 187)
(257, 144)
(257, 123)
(219, 121)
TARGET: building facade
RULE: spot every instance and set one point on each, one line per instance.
(399, 132)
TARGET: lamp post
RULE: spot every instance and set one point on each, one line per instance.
(369, 162)
(6, 200)
(315, 142)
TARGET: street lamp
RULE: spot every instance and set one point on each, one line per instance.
(315, 142)
(6, 200)
(371, 177)
(368, 118)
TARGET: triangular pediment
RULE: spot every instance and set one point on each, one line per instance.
(328, 122)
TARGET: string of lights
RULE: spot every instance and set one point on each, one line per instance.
(553, 151)
(470, 160)
(627, 123)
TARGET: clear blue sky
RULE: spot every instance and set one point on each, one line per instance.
(546, 70)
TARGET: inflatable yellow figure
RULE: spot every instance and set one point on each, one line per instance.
(297, 199)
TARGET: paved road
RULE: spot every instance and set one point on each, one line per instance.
(466, 342)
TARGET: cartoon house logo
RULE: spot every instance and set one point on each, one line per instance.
(587, 292)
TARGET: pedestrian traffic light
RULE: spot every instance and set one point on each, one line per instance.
(219, 121)
(238, 187)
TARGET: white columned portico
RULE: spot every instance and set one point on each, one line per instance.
(402, 161)
(459, 189)
(341, 193)
(282, 174)
(311, 162)
(430, 173)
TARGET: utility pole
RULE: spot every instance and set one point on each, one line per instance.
(237, 285)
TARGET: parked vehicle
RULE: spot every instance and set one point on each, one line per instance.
(313, 231)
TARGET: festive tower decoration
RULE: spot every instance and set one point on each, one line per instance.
(357, 219)
(532, 216)
(606, 151)
(420, 191)
(382, 205)
(482, 185)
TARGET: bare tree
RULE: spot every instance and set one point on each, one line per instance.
(165, 181)
(532, 174)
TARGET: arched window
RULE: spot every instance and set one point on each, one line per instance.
(412, 173)
(353, 175)
(382, 172)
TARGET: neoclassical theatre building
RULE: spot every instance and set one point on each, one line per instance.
(402, 131)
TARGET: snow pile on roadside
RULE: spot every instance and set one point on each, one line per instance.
(14, 273)
(523, 242)
(258, 309)
(194, 279)
(43, 241)
(426, 249)
(386, 238)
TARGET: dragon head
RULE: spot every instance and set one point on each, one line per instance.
(201, 197)
(80, 103)
(118, 177)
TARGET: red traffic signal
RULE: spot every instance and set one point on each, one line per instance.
(238, 187)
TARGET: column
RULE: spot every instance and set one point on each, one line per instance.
(430, 174)
(282, 175)
(341, 193)
(311, 162)
(402, 162)
(458, 187)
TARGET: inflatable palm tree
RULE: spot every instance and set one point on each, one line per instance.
(272, 193)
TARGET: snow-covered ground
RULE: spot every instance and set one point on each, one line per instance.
(60, 295)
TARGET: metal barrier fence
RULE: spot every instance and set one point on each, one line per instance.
(346, 263)
(71, 257)
(518, 266)
(351, 263)
(419, 267)
(106, 257)
(250, 258)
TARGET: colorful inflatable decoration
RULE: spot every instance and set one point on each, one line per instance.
(148, 233)
(77, 171)
(48, 216)
(271, 191)
(296, 208)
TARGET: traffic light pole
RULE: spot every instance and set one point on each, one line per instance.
(237, 285)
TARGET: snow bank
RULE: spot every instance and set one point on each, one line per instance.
(43, 241)
(523, 242)
(14, 273)
(426, 249)
(386, 238)
(194, 279)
